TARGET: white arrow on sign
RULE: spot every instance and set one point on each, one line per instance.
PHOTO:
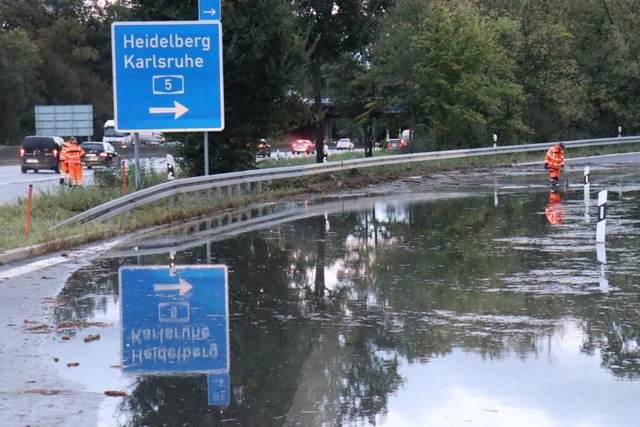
(210, 12)
(183, 287)
(178, 109)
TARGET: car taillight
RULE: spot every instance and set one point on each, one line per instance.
(55, 153)
(22, 152)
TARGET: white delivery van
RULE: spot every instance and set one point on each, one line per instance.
(111, 136)
(123, 139)
(146, 138)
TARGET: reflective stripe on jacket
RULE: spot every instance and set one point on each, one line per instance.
(555, 157)
(74, 154)
(63, 151)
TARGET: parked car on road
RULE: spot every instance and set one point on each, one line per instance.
(40, 152)
(396, 143)
(345, 144)
(393, 143)
(263, 148)
(303, 146)
(98, 154)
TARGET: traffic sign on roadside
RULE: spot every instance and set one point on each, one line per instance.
(167, 76)
(174, 319)
(209, 10)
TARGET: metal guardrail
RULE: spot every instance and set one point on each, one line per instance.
(229, 180)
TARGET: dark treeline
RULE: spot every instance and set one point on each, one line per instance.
(454, 71)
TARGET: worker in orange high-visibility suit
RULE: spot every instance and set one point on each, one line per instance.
(64, 169)
(554, 162)
(74, 162)
(554, 210)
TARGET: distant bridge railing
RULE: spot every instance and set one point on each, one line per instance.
(235, 180)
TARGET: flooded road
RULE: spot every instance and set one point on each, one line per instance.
(456, 301)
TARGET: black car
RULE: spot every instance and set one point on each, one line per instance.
(40, 152)
(98, 154)
(260, 147)
(263, 149)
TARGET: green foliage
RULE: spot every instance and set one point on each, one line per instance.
(164, 10)
(264, 63)
(148, 175)
(548, 72)
(19, 62)
(225, 154)
(264, 66)
(454, 71)
(606, 52)
(454, 78)
(340, 27)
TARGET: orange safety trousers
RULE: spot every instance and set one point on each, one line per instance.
(74, 163)
(64, 168)
(554, 173)
(75, 172)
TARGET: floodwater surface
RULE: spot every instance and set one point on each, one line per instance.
(452, 303)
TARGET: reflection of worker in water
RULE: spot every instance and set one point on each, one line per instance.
(554, 209)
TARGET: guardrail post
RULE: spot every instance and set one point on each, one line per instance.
(27, 223)
(124, 177)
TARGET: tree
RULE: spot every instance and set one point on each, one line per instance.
(264, 68)
(351, 90)
(607, 55)
(334, 27)
(453, 77)
(19, 62)
(547, 70)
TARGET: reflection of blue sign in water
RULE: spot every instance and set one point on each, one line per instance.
(167, 76)
(174, 322)
(218, 385)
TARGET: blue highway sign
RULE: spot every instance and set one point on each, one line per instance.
(209, 10)
(167, 76)
(174, 319)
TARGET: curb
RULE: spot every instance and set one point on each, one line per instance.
(17, 254)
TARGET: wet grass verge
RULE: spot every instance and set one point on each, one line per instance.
(51, 208)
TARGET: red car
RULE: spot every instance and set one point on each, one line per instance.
(303, 146)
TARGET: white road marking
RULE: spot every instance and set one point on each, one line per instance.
(55, 260)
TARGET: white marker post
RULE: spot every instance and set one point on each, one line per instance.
(171, 165)
(602, 216)
(587, 186)
(601, 253)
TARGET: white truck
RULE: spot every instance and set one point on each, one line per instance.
(118, 139)
(112, 136)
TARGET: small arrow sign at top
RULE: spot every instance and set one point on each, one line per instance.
(209, 10)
